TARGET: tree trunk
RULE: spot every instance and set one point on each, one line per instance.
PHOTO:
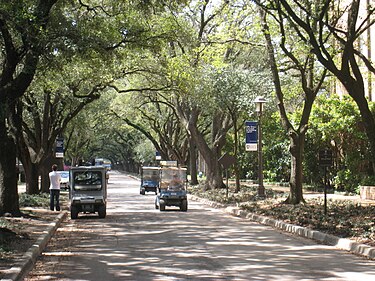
(8, 174)
(44, 173)
(193, 163)
(347, 66)
(214, 178)
(236, 146)
(23, 151)
(311, 85)
(356, 91)
(32, 177)
(30, 168)
(296, 173)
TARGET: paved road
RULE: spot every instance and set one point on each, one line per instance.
(137, 242)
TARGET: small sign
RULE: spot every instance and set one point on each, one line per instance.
(251, 130)
(227, 160)
(325, 158)
(59, 150)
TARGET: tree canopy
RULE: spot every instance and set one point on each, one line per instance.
(180, 77)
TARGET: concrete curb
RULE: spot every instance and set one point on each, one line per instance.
(324, 238)
(22, 268)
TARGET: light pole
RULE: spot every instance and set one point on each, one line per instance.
(259, 101)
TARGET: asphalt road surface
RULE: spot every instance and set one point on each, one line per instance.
(137, 242)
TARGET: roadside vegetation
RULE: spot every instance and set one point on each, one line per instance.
(35, 200)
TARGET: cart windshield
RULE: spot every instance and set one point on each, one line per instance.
(173, 179)
(151, 175)
(87, 180)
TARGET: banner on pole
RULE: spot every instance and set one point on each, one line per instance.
(59, 150)
(251, 130)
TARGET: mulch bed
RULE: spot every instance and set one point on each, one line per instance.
(18, 234)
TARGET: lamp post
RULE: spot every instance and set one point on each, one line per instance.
(259, 101)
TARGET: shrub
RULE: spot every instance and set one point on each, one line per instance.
(346, 181)
(38, 200)
(369, 180)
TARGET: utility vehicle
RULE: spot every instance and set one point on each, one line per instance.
(88, 190)
(173, 185)
(150, 177)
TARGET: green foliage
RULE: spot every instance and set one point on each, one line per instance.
(248, 163)
(346, 180)
(336, 124)
(275, 149)
(368, 181)
(145, 44)
(39, 200)
(145, 153)
(4, 223)
(97, 132)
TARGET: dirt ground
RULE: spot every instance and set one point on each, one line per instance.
(20, 233)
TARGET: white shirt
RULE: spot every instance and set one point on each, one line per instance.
(54, 179)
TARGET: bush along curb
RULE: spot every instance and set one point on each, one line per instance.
(324, 238)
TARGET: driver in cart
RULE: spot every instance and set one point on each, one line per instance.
(175, 183)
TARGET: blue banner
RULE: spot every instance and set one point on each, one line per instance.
(59, 150)
(251, 130)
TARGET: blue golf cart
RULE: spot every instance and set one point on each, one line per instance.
(173, 188)
(149, 180)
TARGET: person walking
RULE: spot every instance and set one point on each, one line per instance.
(54, 188)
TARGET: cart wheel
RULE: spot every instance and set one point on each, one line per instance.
(184, 205)
(102, 211)
(73, 212)
(162, 205)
